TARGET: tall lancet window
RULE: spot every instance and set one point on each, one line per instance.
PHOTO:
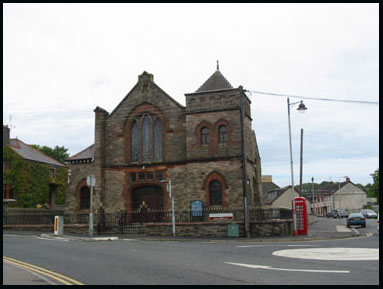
(147, 139)
(158, 141)
(135, 142)
(147, 135)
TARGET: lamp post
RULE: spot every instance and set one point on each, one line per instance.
(302, 109)
(312, 191)
(91, 181)
(172, 198)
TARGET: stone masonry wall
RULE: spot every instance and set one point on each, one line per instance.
(272, 228)
(196, 150)
(145, 94)
(198, 173)
(79, 172)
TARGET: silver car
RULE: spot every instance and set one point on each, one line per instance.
(369, 214)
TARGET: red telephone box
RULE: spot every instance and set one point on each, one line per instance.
(301, 216)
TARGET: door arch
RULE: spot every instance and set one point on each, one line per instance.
(147, 203)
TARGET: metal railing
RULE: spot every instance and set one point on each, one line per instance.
(134, 222)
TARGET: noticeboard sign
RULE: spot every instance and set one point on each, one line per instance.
(221, 217)
(196, 208)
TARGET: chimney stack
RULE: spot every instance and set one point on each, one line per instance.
(6, 133)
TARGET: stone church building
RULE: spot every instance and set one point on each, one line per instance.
(150, 138)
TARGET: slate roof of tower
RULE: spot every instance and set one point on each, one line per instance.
(29, 153)
(215, 82)
(87, 153)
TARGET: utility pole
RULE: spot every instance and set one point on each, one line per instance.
(300, 176)
(312, 191)
(244, 174)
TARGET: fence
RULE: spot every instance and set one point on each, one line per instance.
(134, 222)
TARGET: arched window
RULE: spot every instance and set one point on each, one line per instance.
(215, 193)
(85, 197)
(158, 140)
(135, 142)
(204, 135)
(146, 139)
(222, 131)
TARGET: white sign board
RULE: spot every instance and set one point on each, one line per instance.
(91, 181)
(221, 216)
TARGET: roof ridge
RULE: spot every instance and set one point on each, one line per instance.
(71, 157)
(216, 81)
(38, 151)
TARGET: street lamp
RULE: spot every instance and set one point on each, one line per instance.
(312, 191)
(301, 108)
(172, 198)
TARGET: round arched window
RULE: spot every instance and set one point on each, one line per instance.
(204, 135)
(222, 131)
(85, 197)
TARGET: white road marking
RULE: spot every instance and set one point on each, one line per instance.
(337, 254)
(251, 246)
(286, 269)
(342, 229)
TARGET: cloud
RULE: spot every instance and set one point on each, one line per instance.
(63, 60)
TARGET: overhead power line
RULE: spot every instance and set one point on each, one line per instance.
(314, 98)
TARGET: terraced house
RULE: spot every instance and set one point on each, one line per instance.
(31, 177)
(150, 138)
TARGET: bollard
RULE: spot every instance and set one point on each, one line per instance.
(59, 225)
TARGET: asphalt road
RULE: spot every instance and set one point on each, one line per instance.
(139, 262)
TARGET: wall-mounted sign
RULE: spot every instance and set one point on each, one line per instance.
(196, 208)
(221, 217)
(91, 181)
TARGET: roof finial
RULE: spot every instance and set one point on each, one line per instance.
(217, 65)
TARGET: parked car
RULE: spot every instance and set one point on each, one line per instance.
(330, 214)
(342, 213)
(369, 214)
(356, 219)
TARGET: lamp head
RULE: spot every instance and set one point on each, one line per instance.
(301, 108)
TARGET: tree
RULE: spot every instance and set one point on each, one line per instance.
(374, 189)
(58, 153)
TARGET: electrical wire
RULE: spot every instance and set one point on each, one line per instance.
(313, 98)
(82, 114)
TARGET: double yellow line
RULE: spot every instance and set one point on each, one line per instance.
(56, 276)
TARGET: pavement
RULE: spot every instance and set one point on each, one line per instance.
(321, 229)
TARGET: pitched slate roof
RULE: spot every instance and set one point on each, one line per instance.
(333, 188)
(87, 153)
(215, 82)
(29, 153)
(269, 186)
(279, 192)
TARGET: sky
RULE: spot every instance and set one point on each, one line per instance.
(61, 61)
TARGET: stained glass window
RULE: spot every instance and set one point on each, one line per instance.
(158, 141)
(135, 142)
(215, 193)
(147, 139)
(204, 135)
(222, 134)
(159, 175)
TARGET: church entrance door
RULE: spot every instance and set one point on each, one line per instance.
(147, 201)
